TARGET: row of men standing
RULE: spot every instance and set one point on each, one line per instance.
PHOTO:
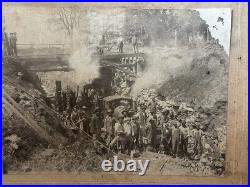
(138, 130)
(9, 44)
(141, 131)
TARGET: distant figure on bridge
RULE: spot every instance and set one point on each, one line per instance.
(13, 47)
(120, 42)
(5, 44)
(103, 40)
(135, 43)
(101, 45)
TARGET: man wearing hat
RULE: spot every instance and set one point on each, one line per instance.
(135, 43)
(152, 105)
(128, 134)
(78, 101)
(74, 115)
(108, 125)
(119, 138)
(175, 139)
(151, 132)
(6, 46)
(83, 119)
(95, 123)
(135, 131)
(160, 117)
(142, 123)
(166, 138)
(120, 42)
(197, 133)
(184, 138)
(13, 47)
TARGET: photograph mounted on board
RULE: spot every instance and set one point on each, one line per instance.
(114, 90)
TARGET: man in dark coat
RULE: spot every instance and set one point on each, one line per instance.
(95, 123)
(108, 125)
(151, 132)
(167, 137)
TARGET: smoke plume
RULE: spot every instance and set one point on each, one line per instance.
(160, 69)
(85, 67)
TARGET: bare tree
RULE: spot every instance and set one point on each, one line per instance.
(68, 19)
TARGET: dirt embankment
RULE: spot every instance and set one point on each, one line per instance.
(201, 78)
(34, 136)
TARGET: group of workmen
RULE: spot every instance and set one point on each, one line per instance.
(9, 43)
(148, 128)
(120, 44)
(134, 41)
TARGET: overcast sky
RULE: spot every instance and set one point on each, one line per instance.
(217, 29)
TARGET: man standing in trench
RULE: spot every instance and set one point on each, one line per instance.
(142, 124)
(119, 135)
(166, 140)
(108, 125)
(197, 133)
(184, 138)
(128, 134)
(175, 140)
(95, 123)
(151, 132)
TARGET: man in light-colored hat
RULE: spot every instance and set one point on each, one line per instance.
(119, 133)
(128, 134)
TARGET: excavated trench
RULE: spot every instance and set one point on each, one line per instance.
(38, 142)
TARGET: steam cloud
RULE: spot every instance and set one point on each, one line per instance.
(85, 67)
(161, 69)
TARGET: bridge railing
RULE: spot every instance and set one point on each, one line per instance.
(42, 49)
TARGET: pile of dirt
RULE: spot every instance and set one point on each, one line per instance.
(24, 118)
(212, 121)
(78, 156)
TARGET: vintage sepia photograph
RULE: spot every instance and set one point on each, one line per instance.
(139, 91)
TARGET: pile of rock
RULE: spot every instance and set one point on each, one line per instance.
(213, 140)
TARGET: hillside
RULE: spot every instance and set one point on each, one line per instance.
(201, 80)
(34, 135)
(194, 75)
